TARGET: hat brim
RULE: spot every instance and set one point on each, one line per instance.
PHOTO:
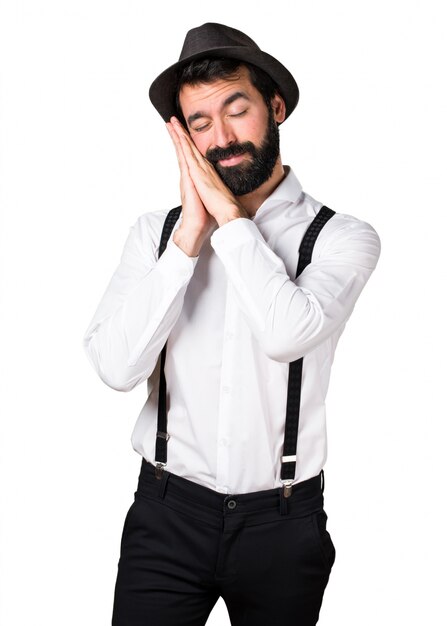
(162, 91)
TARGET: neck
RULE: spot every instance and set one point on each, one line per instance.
(253, 200)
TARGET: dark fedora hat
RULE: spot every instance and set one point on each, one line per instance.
(213, 40)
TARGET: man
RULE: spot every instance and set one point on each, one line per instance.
(233, 437)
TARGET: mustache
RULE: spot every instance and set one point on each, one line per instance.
(216, 154)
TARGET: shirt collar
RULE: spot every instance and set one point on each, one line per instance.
(288, 190)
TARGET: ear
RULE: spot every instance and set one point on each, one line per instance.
(279, 108)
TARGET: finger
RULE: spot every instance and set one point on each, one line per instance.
(178, 149)
(186, 183)
(186, 141)
(184, 153)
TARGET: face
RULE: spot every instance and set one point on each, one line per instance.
(230, 124)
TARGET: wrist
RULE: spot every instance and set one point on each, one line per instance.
(189, 243)
(236, 212)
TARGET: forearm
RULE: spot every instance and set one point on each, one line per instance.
(290, 317)
(190, 243)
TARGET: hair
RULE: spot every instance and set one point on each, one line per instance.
(209, 70)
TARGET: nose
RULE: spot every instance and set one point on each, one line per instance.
(223, 134)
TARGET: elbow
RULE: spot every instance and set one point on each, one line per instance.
(124, 378)
(284, 350)
(117, 381)
(116, 377)
(285, 344)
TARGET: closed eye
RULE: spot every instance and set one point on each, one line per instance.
(200, 128)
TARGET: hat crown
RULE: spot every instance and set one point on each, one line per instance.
(211, 36)
(212, 40)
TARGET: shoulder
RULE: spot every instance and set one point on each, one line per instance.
(344, 225)
(345, 235)
(150, 224)
(146, 232)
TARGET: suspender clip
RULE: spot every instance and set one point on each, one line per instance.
(159, 464)
(287, 488)
(159, 470)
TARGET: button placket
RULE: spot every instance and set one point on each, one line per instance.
(223, 426)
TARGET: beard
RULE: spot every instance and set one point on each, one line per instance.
(246, 177)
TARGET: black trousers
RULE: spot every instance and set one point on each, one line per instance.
(183, 546)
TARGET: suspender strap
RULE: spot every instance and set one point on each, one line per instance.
(288, 460)
(310, 237)
(161, 451)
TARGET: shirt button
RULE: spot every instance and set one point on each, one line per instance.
(226, 389)
(224, 441)
(229, 335)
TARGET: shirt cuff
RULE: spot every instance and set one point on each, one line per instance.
(235, 233)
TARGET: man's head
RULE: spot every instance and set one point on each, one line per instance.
(232, 112)
(231, 96)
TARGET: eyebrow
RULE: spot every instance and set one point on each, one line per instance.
(227, 102)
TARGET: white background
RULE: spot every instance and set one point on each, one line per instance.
(83, 154)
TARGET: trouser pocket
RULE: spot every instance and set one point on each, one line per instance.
(323, 538)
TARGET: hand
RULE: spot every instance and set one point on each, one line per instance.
(196, 221)
(199, 176)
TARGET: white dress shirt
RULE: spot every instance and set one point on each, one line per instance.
(235, 317)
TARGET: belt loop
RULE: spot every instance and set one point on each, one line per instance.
(163, 484)
(283, 508)
(322, 481)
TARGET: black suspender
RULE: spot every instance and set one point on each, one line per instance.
(288, 463)
(288, 460)
(161, 448)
